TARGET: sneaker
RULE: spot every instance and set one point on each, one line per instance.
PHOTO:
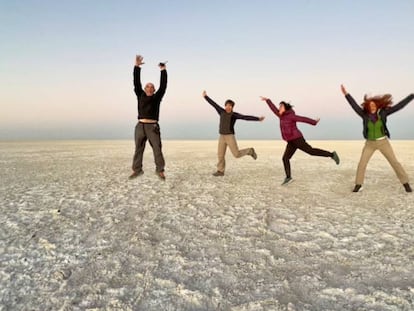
(135, 174)
(407, 187)
(357, 188)
(253, 153)
(161, 175)
(335, 157)
(287, 180)
(218, 173)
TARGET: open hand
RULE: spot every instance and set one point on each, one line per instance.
(264, 98)
(343, 89)
(139, 60)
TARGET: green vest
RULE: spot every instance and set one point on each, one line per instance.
(375, 130)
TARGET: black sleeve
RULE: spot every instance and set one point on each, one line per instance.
(137, 81)
(244, 117)
(354, 105)
(213, 103)
(163, 84)
(400, 105)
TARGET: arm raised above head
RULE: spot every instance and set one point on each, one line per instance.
(401, 104)
(213, 103)
(271, 105)
(163, 82)
(137, 81)
(357, 108)
(139, 60)
(343, 90)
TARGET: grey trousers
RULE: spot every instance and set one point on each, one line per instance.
(150, 132)
(230, 141)
(385, 148)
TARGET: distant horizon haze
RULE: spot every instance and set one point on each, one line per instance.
(66, 67)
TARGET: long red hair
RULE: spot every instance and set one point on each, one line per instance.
(381, 101)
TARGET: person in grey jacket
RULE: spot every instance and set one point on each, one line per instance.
(374, 112)
(227, 135)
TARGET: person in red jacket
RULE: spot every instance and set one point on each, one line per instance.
(293, 137)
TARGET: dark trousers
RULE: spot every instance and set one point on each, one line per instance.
(150, 132)
(300, 143)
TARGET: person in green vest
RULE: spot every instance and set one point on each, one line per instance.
(374, 111)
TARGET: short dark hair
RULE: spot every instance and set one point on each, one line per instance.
(287, 105)
(229, 102)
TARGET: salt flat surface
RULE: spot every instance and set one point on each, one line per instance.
(76, 234)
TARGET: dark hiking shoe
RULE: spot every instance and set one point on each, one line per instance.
(287, 180)
(136, 174)
(407, 187)
(161, 175)
(335, 157)
(253, 153)
(357, 188)
(218, 173)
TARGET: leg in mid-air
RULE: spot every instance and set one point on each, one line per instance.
(287, 155)
(234, 148)
(154, 138)
(386, 149)
(140, 141)
(221, 156)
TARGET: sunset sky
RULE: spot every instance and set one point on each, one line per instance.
(66, 66)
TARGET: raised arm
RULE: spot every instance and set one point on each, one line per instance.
(271, 105)
(139, 60)
(400, 105)
(163, 80)
(213, 103)
(357, 108)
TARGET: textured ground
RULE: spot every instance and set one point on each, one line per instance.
(76, 234)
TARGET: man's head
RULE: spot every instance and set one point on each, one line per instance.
(228, 105)
(149, 89)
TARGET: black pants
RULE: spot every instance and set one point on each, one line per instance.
(300, 143)
(150, 132)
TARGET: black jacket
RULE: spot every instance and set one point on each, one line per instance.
(383, 113)
(149, 106)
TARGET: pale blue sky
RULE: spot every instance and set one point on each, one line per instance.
(66, 67)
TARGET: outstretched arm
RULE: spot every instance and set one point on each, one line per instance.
(400, 105)
(163, 80)
(271, 105)
(139, 60)
(306, 120)
(247, 118)
(212, 103)
(352, 101)
(343, 90)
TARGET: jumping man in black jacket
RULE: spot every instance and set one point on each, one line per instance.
(147, 127)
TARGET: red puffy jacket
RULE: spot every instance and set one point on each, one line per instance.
(288, 121)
